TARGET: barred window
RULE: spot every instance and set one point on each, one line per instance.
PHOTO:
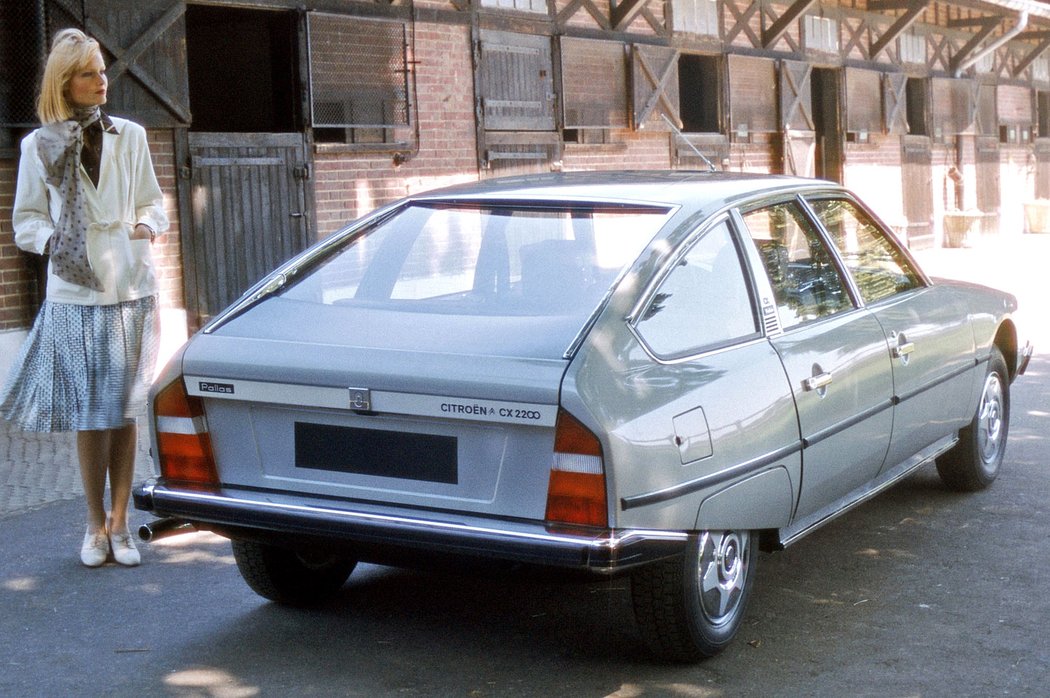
(358, 75)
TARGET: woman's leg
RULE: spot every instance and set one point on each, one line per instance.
(123, 444)
(93, 451)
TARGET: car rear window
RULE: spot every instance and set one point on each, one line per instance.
(484, 260)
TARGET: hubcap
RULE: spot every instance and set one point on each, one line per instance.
(722, 573)
(990, 416)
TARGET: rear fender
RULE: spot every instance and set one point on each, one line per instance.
(762, 501)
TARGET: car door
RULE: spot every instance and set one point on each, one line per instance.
(930, 341)
(835, 356)
(696, 399)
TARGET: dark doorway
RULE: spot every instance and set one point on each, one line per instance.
(243, 70)
(698, 93)
(827, 101)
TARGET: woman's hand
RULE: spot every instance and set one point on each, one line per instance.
(143, 232)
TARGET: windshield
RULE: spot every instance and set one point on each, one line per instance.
(484, 260)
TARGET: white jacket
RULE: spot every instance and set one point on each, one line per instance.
(127, 194)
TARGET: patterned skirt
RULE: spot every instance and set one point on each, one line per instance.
(83, 367)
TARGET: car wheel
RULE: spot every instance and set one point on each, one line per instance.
(973, 463)
(691, 607)
(289, 577)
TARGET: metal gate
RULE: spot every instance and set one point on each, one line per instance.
(247, 203)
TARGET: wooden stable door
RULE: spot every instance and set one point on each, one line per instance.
(247, 195)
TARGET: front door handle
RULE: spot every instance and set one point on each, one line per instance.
(903, 349)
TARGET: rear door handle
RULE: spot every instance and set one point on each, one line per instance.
(821, 380)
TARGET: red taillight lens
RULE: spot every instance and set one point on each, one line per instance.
(576, 491)
(183, 442)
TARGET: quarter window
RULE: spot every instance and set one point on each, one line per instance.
(806, 283)
(703, 303)
(877, 265)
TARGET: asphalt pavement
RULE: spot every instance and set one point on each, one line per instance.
(920, 593)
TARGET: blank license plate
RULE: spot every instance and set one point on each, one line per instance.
(395, 454)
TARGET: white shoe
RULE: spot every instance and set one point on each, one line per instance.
(95, 549)
(124, 550)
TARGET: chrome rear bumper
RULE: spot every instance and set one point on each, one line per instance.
(235, 512)
(1023, 357)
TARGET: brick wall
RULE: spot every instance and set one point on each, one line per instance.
(18, 285)
(348, 185)
(167, 251)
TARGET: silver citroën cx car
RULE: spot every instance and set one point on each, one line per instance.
(644, 373)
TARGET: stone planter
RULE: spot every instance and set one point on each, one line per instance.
(1037, 216)
(959, 225)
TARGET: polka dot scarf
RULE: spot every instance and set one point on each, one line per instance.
(59, 145)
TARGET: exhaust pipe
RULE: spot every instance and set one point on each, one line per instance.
(163, 528)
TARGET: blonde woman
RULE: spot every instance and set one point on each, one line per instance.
(87, 196)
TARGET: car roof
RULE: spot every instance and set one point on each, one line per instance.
(694, 189)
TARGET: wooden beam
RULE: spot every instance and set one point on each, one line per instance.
(772, 35)
(915, 8)
(988, 25)
(570, 10)
(888, 5)
(625, 12)
(1023, 64)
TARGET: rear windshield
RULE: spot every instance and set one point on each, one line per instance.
(484, 260)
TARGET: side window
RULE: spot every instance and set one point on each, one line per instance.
(806, 283)
(875, 262)
(703, 302)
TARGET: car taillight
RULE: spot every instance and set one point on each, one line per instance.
(576, 492)
(183, 442)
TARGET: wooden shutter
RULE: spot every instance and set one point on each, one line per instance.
(752, 94)
(917, 180)
(952, 105)
(988, 166)
(515, 77)
(654, 76)
(895, 103)
(594, 80)
(1014, 104)
(864, 105)
(987, 120)
(144, 43)
(796, 103)
(1042, 170)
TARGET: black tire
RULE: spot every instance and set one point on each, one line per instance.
(973, 463)
(691, 607)
(289, 577)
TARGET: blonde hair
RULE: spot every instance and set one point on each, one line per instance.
(71, 50)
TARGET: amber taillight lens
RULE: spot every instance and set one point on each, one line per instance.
(183, 442)
(576, 491)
